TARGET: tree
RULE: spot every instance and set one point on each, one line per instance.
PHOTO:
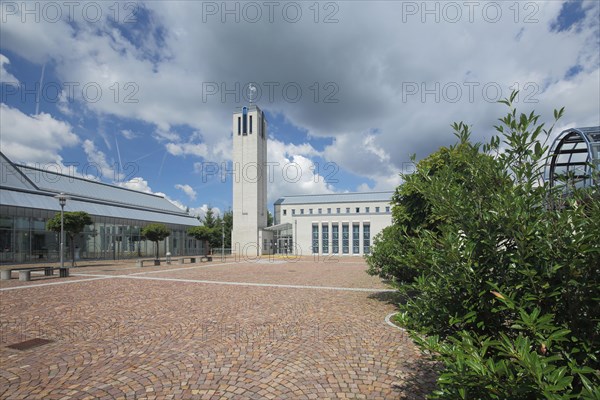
(155, 233)
(74, 223)
(209, 219)
(228, 222)
(206, 234)
(269, 218)
(506, 284)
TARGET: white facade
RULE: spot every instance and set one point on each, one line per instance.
(249, 181)
(335, 224)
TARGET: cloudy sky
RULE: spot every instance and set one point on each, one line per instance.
(140, 94)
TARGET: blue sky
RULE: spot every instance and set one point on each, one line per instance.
(140, 94)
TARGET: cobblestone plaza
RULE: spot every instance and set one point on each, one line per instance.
(246, 330)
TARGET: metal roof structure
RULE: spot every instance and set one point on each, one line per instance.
(29, 187)
(279, 227)
(336, 198)
(575, 158)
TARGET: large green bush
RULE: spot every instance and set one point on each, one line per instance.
(506, 285)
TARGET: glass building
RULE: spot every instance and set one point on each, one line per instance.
(27, 202)
(575, 158)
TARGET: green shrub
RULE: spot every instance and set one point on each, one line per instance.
(155, 233)
(506, 269)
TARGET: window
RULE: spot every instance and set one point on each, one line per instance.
(345, 238)
(387, 209)
(320, 211)
(355, 239)
(367, 209)
(293, 211)
(357, 210)
(239, 125)
(329, 211)
(302, 211)
(284, 212)
(325, 238)
(251, 124)
(376, 209)
(335, 238)
(366, 238)
(315, 238)
(337, 210)
(347, 210)
(310, 210)
(244, 120)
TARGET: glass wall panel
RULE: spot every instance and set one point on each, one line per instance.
(366, 238)
(345, 239)
(335, 238)
(355, 238)
(7, 245)
(24, 238)
(325, 238)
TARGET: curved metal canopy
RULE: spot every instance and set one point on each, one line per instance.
(575, 158)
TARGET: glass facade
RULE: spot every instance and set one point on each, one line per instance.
(335, 238)
(315, 238)
(366, 238)
(345, 239)
(355, 239)
(24, 239)
(325, 237)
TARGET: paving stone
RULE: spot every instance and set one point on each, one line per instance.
(118, 335)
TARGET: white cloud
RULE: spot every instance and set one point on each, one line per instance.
(127, 134)
(291, 171)
(200, 212)
(33, 139)
(137, 183)
(141, 185)
(97, 159)
(364, 155)
(365, 61)
(63, 104)
(188, 190)
(5, 76)
(165, 135)
(182, 149)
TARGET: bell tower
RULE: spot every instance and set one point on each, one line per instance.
(249, 180)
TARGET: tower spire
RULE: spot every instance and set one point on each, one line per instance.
(251, 92)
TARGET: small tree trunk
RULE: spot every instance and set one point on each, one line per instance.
(72, 240)
(156, 250)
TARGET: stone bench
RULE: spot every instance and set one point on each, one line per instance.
(25, 273)
(140, 263)
(192, 260)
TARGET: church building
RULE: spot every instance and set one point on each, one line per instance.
(328, 224)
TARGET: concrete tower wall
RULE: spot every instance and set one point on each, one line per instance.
(249, 180)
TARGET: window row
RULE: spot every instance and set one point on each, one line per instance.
(348, 240)
(338, 210)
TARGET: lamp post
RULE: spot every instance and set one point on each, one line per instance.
(222, 240)
(62, 200)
